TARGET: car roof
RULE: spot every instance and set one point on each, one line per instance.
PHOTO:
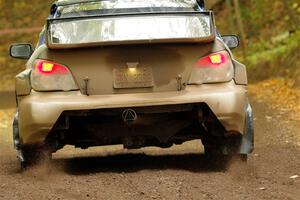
(70, 2)
(68, 7)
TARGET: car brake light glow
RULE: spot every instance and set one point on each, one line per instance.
(217, 59)
(50, 68)
(214, 60)
(47, 67)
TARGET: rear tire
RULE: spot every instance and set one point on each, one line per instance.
(243, 158)
(216, 160)
(32, 157)
(215, 157)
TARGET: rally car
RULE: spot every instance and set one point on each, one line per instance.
(135, 73)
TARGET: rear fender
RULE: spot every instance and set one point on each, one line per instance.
(22, 81)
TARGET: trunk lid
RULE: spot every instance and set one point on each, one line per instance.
(164, 63)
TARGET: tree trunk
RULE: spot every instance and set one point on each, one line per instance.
(229, 14)
(240, 27)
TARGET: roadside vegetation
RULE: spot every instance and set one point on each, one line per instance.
(16, 16)
(272, 32)
(272, 36)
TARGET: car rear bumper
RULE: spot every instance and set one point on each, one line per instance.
(39, 111)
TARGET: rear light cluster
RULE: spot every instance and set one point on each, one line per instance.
(50, 68)
(213, 68)
(50, 76)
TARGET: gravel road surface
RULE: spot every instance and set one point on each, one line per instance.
(181, 172)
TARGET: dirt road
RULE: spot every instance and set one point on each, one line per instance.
(178, 173)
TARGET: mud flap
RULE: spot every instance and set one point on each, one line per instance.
(16, 140)
(247, 144)
(16, 137)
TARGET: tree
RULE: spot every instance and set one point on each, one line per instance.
(240, 26)
(230, 17)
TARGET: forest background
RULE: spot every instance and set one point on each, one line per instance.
(269, 31)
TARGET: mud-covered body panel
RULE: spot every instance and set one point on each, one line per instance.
(167, 61)
(38, 112)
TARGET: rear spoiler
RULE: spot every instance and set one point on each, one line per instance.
(56, 45)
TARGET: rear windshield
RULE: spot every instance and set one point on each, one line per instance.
(85, 8)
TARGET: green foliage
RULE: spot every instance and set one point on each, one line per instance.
(273, 36)
(19, 14)
(267, 51)
(264, 18)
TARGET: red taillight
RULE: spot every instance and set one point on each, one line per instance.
(213, 60)
(48, 67)
(214, 68)
(51, 76)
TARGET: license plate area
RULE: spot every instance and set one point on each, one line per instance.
(140, 77)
